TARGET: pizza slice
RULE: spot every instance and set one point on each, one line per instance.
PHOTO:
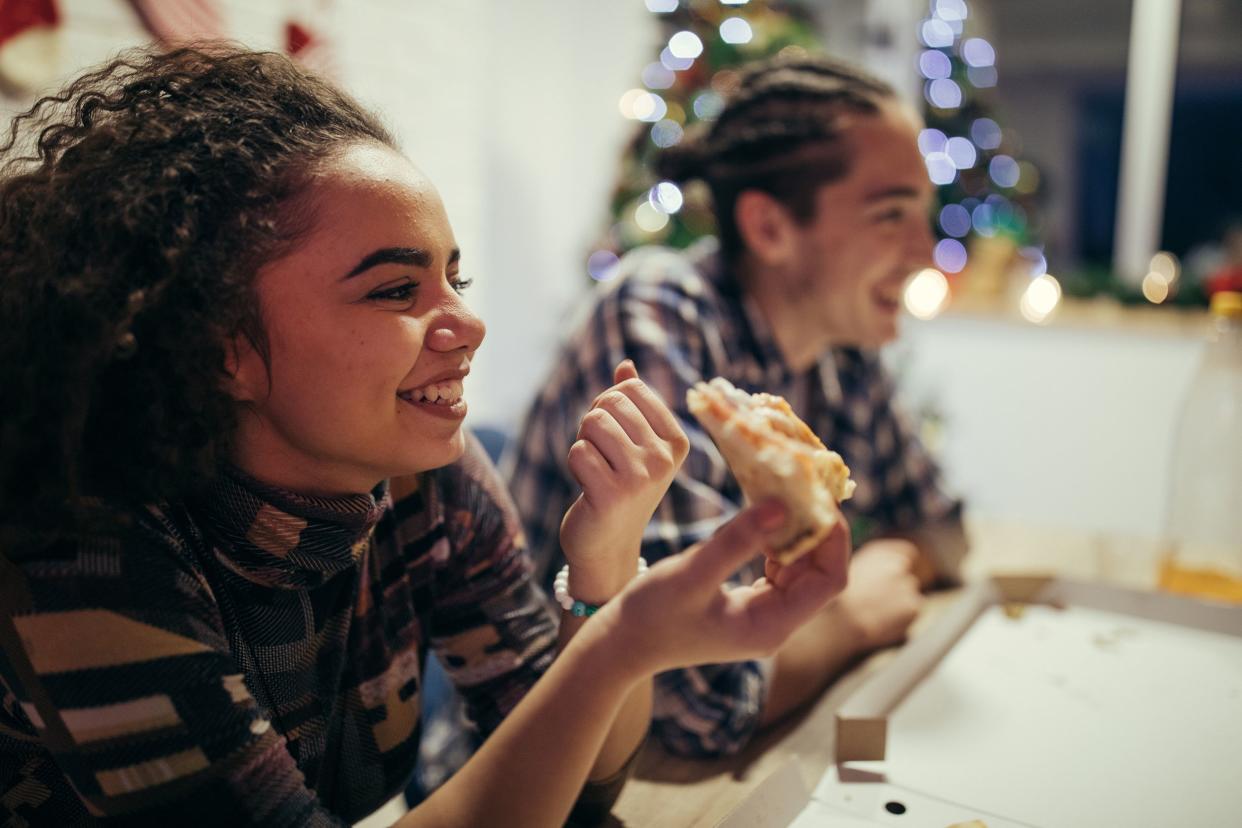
(772, 453)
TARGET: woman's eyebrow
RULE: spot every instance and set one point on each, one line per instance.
(391, 255)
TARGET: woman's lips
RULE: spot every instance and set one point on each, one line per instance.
(454, 410)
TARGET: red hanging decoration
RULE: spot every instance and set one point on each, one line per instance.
(29, 44)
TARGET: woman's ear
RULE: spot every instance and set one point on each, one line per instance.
(245, 370)
(766, 227)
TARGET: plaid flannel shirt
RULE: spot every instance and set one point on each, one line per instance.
(255, 658)
(682, 319)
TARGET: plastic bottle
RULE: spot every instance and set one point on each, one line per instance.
(1204, 526)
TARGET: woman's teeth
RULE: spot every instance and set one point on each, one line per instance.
(440, 393)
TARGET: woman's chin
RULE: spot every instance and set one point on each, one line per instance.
(433, 455)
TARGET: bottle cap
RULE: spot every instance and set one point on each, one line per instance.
(1227, 304)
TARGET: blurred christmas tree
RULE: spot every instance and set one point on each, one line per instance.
(703, 42)
(987, 218)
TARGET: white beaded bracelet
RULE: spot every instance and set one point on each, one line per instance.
(560, 590)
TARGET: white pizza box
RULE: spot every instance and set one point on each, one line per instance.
(858, 800)
(1038, 701)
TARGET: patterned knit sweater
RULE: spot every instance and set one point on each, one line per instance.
(254, 659)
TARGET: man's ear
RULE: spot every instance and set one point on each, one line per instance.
(766, 227)
(245, 371)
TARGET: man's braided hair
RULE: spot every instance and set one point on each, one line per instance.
(781, 131)
(136, 207)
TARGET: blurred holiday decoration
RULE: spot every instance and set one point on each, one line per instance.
(1226, 276)
(987, 218)
(174, 22)
(305, 40)
(29, 45)
(702, 44)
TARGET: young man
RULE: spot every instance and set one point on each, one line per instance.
(822, 201)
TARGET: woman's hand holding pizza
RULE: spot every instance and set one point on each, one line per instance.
(628, 449)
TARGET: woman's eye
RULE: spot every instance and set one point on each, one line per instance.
(401, 293)
(890, 215)
(462, 285)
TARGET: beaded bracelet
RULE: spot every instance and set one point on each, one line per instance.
(581, 609)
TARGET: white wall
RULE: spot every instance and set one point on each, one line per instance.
(1059, 427)
(509, 107)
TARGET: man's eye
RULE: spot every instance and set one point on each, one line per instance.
(462, 285)
(891, 215)
(398, 294)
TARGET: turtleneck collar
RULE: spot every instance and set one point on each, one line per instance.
(288, 540)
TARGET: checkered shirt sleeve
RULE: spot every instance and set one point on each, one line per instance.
(703, 711)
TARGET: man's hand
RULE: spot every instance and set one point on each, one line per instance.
(883, 598)
(875, 610)
(628, 449)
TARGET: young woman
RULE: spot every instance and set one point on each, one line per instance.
(238, 503)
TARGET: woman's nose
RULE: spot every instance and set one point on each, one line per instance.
(456, 330)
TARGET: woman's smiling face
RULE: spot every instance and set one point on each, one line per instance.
(368, 336)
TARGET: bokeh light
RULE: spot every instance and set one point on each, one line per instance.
(650, 108)
(986, 133)
(1155, 288)
(626, 103)
(936, 34)
(661, 6)
(666, 197)
(1028, 178)
(949, 255)
(1040, 299)
(943, 94)
(931, 140)
(1165, 264)
(961, 152)
(978, 52)
(707, 105)
(1039, 264)
(665, 133)
(650, 219)
(599, 265)
(955, 220)
(1004, 170)
(926, 294)
(950, 10)
(735, 30)
(934, 64)
(675, 112)
(658, 76)
(671, 61)
(686, 45)
(983, 219)
(940, 169)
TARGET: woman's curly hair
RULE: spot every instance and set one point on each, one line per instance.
(136, 207)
